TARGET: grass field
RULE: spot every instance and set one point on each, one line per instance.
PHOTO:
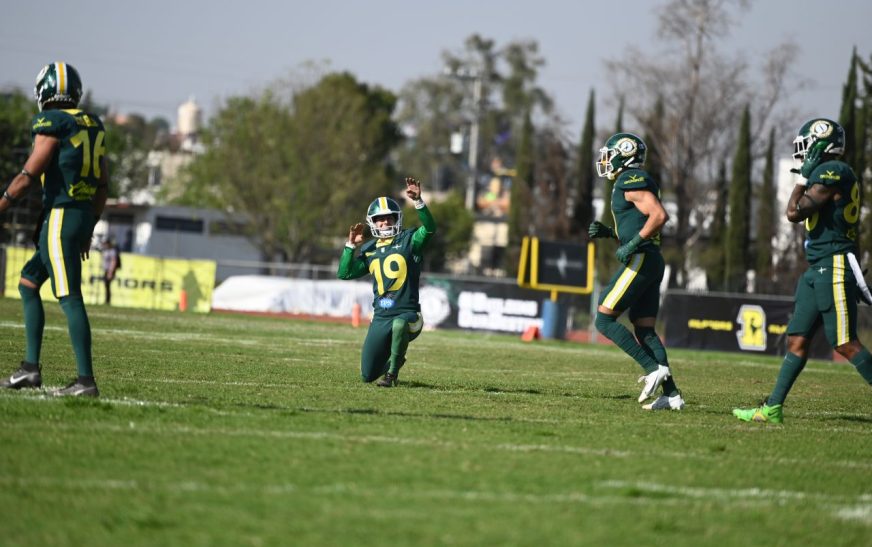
(236, 430)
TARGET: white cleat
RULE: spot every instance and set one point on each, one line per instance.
(664, 402)
(652, 382)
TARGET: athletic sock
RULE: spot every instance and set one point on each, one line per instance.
(80, 332)
(609, 327)
(34, 322)
(862, 361)
(790, 369)
(399, 345)
(653, 346)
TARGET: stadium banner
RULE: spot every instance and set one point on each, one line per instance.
(479, 305)
(445, 302)
(144, 282)
(733, 322)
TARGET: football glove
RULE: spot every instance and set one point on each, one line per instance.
(597, 230)
(626, 250)
(812, 160)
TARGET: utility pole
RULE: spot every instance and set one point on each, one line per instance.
(473, 144)
(475, 76)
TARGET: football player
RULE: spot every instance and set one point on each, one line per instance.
(829, 201)
(68, 160)
(639, 216)
(393, 258)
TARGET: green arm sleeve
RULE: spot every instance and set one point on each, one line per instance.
(351, 267)
(423, 234)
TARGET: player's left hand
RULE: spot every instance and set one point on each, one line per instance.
(413, 189)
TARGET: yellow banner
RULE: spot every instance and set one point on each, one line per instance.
(142, 282)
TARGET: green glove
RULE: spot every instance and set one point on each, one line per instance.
(626, 250)
(597, 229)
(812, 160)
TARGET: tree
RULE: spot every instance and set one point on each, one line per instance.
(129, 140)
(712, 257)
(703, 93)
(738, 227)
(582, 211)
(454, 230)
(16, 110)
(766, 226)
(298, 167)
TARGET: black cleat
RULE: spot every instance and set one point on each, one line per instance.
(77, 389)
(23, 378)
(389, 380)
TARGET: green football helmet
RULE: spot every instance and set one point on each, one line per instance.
(821, 133)
(622, 151)
(58, 83)
(384, 206)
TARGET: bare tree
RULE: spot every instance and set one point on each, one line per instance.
(703, 93)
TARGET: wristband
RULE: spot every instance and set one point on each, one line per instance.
(27, 174)
(8, 197)
(419, 203)
(349, 245)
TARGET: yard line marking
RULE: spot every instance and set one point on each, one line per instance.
(405, 441)
(855, 508)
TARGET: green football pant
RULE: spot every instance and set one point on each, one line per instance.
(386, 342)
(61, 237)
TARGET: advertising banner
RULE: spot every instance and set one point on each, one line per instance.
(482, 306)
(142, 282)
(733, 322)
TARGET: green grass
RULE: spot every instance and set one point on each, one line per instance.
(236, 430)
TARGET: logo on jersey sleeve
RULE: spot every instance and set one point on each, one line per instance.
(42, 122)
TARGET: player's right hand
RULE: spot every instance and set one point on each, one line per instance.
(355, 234)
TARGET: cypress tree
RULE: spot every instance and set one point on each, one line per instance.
(766, 220)
(737, 262)
(582, 213)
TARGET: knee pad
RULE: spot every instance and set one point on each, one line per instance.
(644, 332)
(604, 322)
(27, 293)
(399, 325)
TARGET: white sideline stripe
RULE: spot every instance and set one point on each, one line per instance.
(249, 340)
(855, 508)
(726, 493)
(404, 441)
(841, 507)
(252, 339)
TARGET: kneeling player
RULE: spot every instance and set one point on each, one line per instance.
(394, 259)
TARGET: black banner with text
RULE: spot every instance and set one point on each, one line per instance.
(743, 323)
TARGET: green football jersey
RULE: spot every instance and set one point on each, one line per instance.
(396, 270)
(833, 229)
(395, 265)
(74, 173)
(628, 219)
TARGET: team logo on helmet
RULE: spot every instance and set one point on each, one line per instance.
(627, 147)
(821, 129)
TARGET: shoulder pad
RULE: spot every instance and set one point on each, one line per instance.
(831, 173)
(49, 122)
(633, 179)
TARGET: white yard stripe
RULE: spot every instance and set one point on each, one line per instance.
(855, 508)
(606, 452)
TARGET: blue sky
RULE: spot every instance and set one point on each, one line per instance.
(149, 57)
